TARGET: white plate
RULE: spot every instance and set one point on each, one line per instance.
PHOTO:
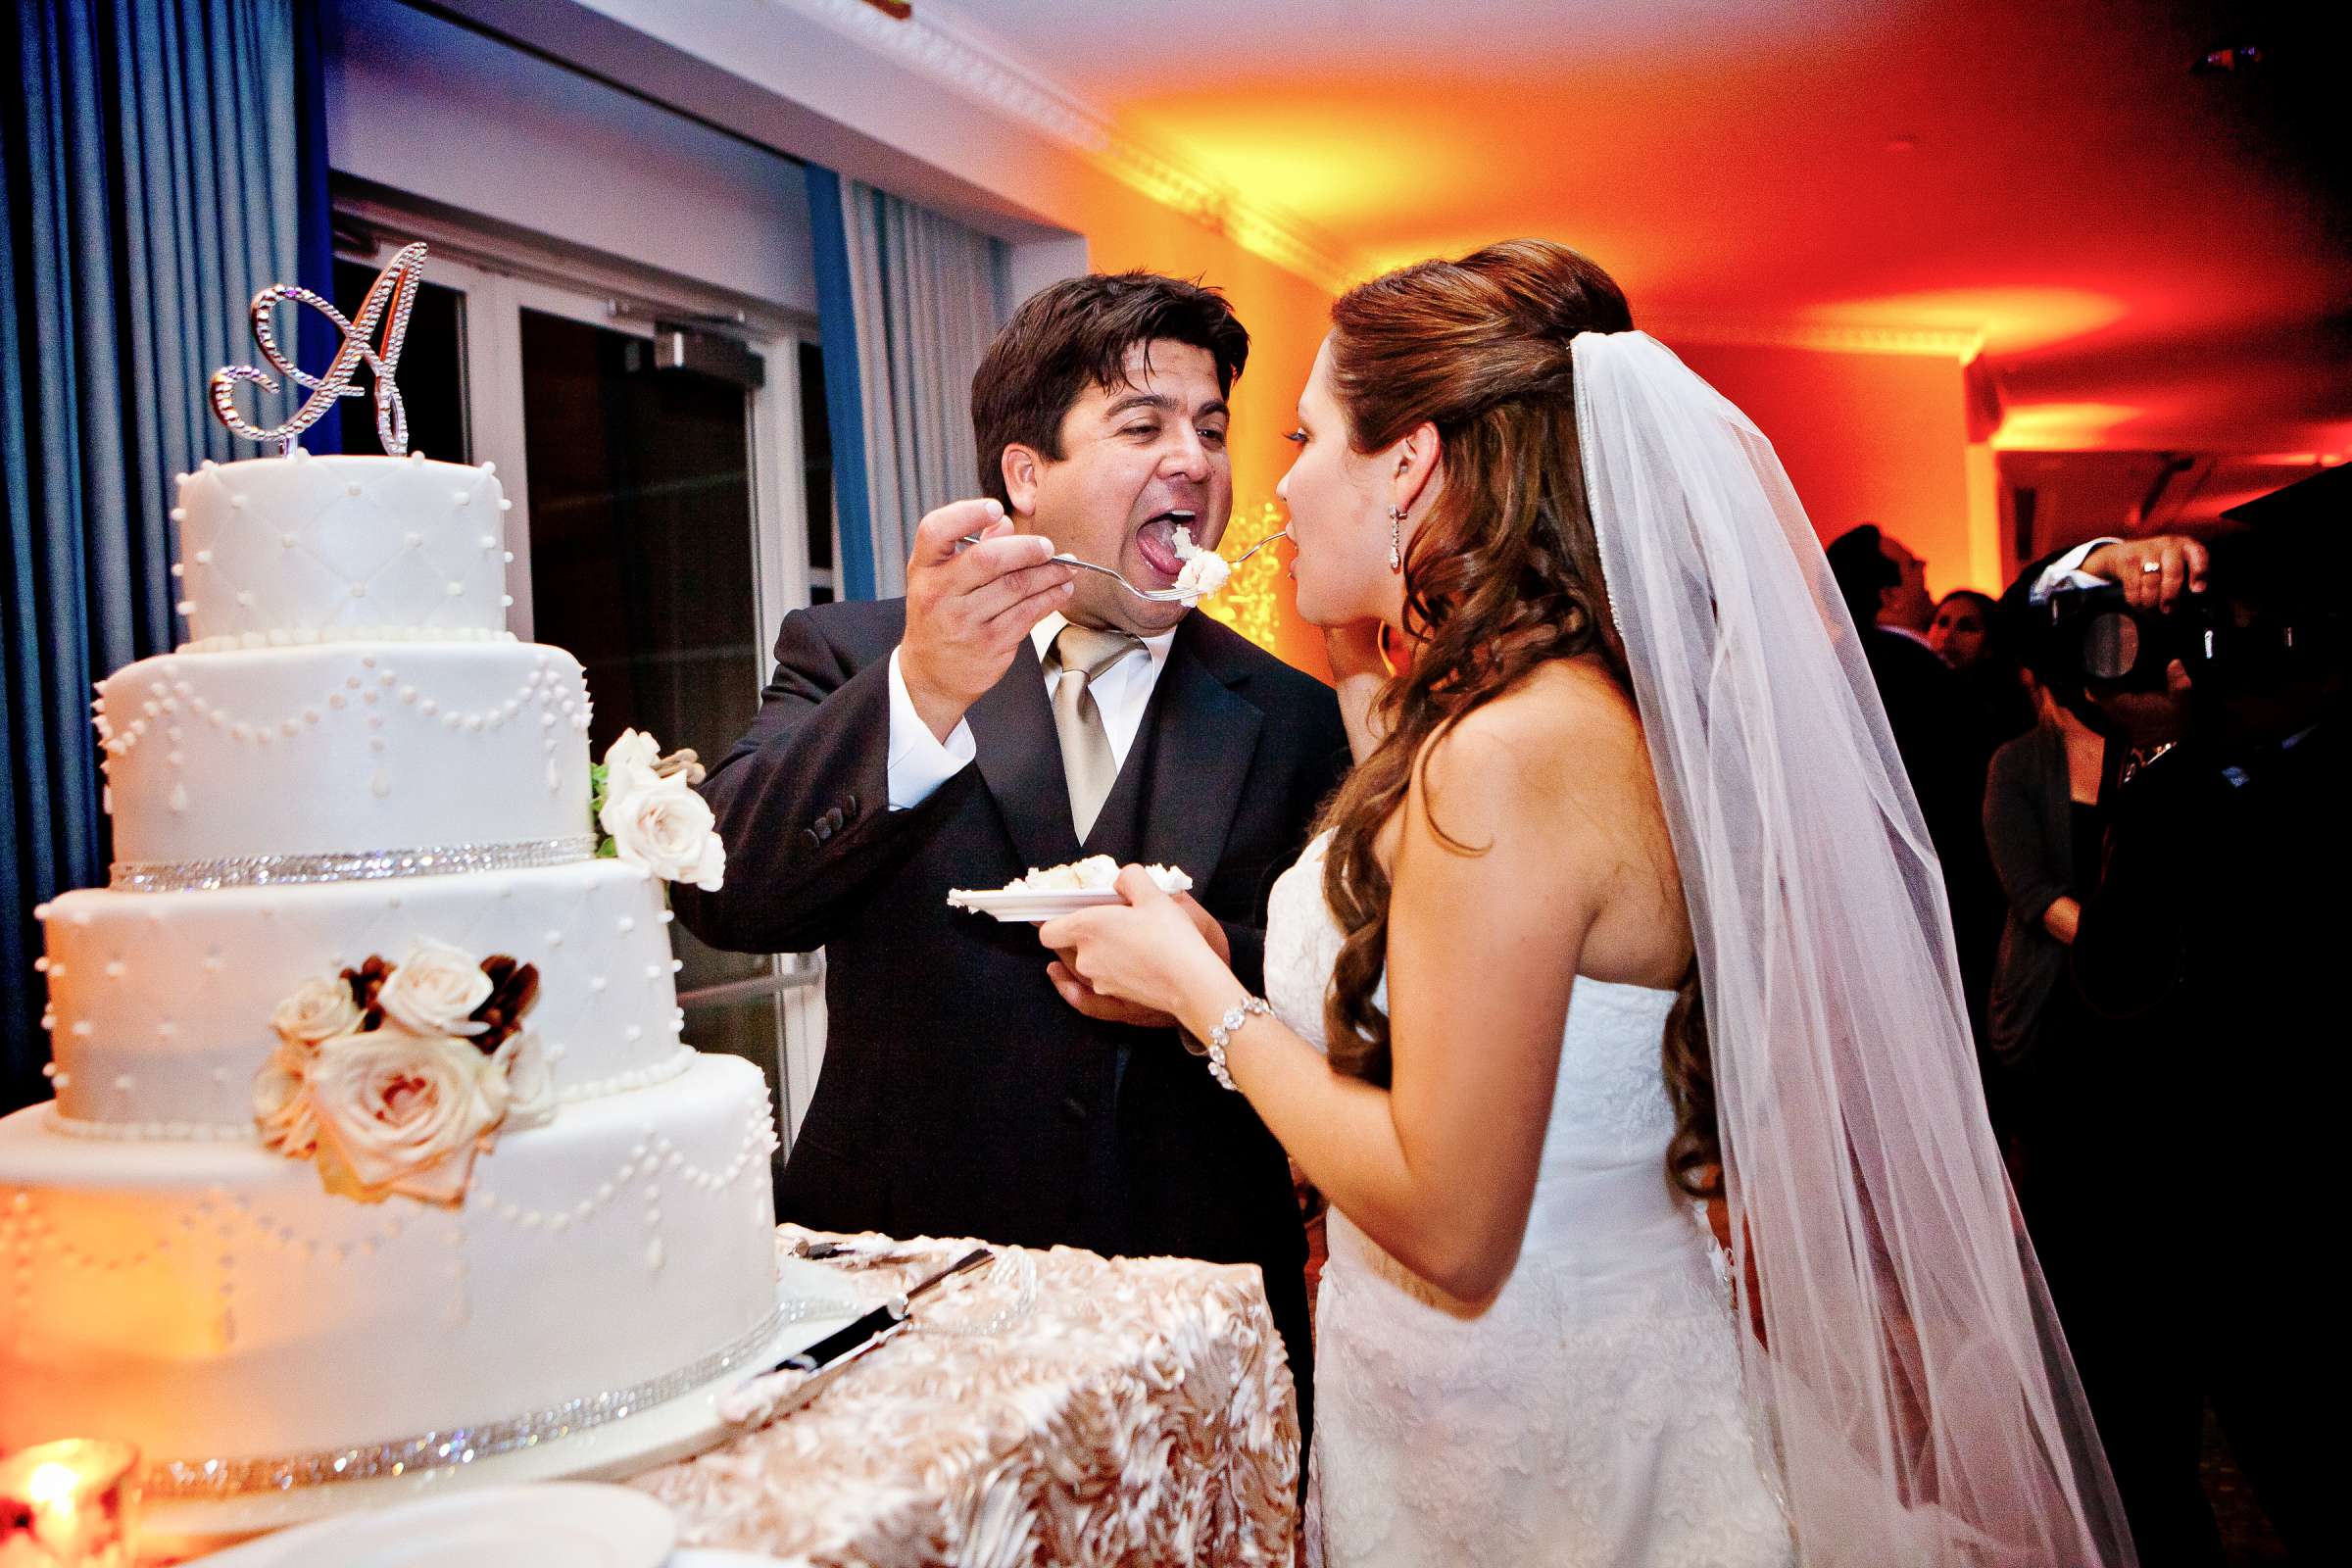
(1026, 904)
(558, 1524)
(1023, 905)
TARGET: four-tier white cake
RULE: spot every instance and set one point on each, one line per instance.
(353, 760)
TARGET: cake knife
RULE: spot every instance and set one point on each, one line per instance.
(857, 1338)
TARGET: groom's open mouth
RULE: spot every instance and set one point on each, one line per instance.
(1155, 541)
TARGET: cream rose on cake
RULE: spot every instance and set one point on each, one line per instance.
(530, 1080)
(318, 1009)
(281, 1101)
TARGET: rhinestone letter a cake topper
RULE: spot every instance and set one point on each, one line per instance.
(389, 299)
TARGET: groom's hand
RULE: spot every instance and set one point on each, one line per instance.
(967, 609)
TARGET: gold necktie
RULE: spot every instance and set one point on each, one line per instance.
(1081, 653)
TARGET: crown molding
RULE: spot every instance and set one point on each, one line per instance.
(943, 47)
(1931, 342)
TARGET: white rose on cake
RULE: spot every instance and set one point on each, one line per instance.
(435, 991)
(644, 805)
(630, 763)
(318, 1009)
(402, 1112)
(666, 828)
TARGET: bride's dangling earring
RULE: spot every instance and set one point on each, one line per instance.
(1395, 538)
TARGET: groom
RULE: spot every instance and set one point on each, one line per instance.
(1009, 712)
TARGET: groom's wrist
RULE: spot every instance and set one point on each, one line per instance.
(936, 703)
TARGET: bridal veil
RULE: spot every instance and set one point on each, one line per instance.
(1913, 1388)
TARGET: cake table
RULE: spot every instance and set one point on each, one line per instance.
(1059, 1407)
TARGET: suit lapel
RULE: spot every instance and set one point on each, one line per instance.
(1020, 758)
(1202, 739)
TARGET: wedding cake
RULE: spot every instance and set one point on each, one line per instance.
(375, 1148)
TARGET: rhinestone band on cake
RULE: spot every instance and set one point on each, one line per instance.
(355, 866)
(174, 1479)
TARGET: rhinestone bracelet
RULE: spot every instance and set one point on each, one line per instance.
(1222, 1035)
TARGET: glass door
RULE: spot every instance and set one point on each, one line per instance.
(665, 516)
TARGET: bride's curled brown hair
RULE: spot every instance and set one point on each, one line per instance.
(1501, 574)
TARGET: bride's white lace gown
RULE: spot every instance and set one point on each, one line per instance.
(1590, 1412)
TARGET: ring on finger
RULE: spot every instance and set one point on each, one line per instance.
(2149, 569)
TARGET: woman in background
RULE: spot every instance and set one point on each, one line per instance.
(1968, 636)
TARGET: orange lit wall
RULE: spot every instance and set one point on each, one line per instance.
(1866, 438)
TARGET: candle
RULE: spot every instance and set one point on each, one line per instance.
(68, 1504)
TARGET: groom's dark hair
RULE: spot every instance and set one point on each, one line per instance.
(1076, 334)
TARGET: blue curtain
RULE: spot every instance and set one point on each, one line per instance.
(844, 394)
(150, 181)
(908, 300)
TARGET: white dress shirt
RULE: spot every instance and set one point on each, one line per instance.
(920, 761)
(2067, 571)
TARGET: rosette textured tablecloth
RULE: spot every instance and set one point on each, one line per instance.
(1137, 1410)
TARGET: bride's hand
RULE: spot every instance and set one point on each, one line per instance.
(1137, 962)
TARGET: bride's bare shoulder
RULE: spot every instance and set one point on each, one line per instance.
(1567, 715)
(1566, 734)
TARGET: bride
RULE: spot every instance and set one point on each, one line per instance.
(1626, 904)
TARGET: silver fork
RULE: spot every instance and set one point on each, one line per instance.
(1158, 596)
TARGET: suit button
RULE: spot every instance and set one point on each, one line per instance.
(1075, 1109)
(822, 829)
(834, 816)
(849, 803)
(810, 834)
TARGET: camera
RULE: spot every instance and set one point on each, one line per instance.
(2095, 639)
(2264, 622)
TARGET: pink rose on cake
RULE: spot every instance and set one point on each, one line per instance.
(645, 804)
(401, 1113)
(435, 991)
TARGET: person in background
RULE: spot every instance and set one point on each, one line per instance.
(1939, 729)
(2042, 826)
(1961, 634)
(2212, 972)
(1905, 606)
(1969, 635)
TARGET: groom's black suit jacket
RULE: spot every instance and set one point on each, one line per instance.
(960, 1095)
